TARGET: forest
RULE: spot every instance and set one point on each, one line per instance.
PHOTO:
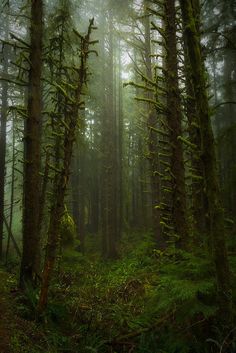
(117, 176)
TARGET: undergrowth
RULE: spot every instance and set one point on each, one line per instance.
(146, 301)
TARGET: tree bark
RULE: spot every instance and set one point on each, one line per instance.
(3, 121)
(109, 137)
(78, 196)
(61, 179)
(12, 188)
(208, 156)
(32, 158)
(152, 140)
(174, 119)
(198, 197)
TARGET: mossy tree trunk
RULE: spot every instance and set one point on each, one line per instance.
(3, 127)
(208, 155)
(32, 138)
(78, 193)
(61, 179)
(198, 197)
(152, 138)
(174, 119)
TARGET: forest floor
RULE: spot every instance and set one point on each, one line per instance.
(7, 317)
(17, 334)
(147, 301)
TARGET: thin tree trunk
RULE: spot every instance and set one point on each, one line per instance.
(2, 159)
(12, 188)
(78, 202)
(43, 191)
(111, 170)
(152, 140)
(109, 137)
(3, 122)
(12, 237)
(174, 118)
(120, 149)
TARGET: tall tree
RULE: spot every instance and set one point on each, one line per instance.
(3, 122)
(153, 148)
(174, 120)
(216, 214)
(3, 125)
(61, 178)
(32, 138)
(109, 137)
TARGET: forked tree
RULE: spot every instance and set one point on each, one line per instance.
(61, 178)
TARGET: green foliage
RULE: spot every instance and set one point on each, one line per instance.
(166, 297)
(33, 340)
(67, 230)
(185, 288)
(27, 302)
(20, 343)
(151, 300)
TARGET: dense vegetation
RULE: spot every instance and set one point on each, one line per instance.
(117, 176)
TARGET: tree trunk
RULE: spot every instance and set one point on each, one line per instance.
(61, 179)
(3, 121)
(120, 148)
(43, 191)
(152, 140)
(109, 137)
(78, 197)
(198, 197)
(32, 138)
(216, 214)
(174, 118)
(12, 188)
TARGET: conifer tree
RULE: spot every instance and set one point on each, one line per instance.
(3, 133)
(215, 207)
(69, 123)
(32, 153)
(174, 120)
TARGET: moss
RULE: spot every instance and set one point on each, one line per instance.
(67, 230)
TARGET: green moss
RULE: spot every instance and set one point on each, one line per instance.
(67, 230)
